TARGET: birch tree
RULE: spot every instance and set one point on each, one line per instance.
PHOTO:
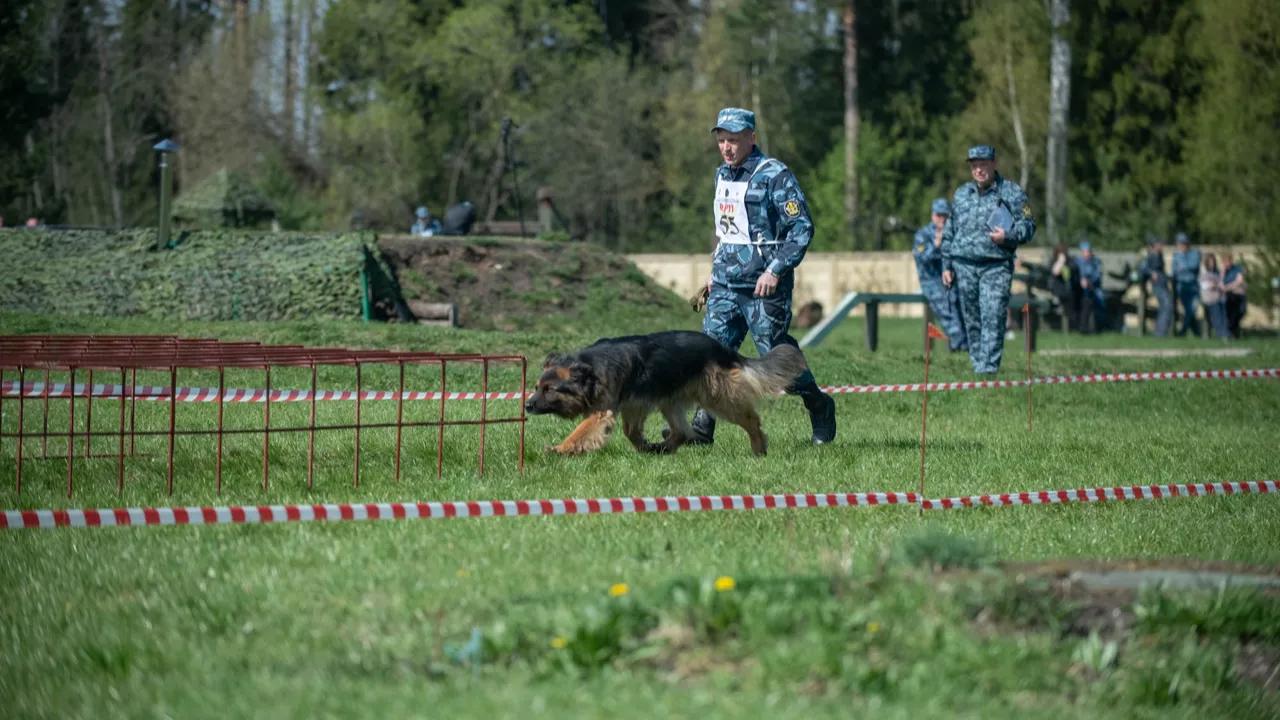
(1059, 106)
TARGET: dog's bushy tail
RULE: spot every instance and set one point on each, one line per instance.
(774, 372)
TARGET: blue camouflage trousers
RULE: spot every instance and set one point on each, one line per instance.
(1164, 306)
(1189, 296)
(732, 313)
(984, 302)
(945, 304)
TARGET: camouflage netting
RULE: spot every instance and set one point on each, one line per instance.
(209, 275)
(224, 199)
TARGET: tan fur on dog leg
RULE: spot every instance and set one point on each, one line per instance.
(591, 434)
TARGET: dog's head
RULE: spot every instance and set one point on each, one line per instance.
(565, 389)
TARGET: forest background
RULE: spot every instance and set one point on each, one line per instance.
(1121, 118)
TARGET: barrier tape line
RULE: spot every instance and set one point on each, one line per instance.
(1133, 492)
(9, 388)
(259, 514)
(108, 517)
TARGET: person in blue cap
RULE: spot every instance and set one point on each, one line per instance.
(1153, 270)
(425, 225)
(763, 225)
(990, 218)
(1089, 266)
(944, 301)
(1186, 282)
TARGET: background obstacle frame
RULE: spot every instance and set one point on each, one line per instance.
(35, 364)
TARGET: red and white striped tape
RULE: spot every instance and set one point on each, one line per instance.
(107, 517)
(1133, 492)
(233, 395)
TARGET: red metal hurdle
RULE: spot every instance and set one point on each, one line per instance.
(24, 356)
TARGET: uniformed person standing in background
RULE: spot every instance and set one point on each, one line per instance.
(1153, 270)
(1186, 281)
(989, 219)
(928, 254)
(763, 225)
(1090, 268)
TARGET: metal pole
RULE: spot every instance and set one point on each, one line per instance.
(162, 239)
(164, 147)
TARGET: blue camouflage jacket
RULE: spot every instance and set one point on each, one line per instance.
(1090, 270)
(1186, 267)
(965, 238)
(776, 210)
(928, 257)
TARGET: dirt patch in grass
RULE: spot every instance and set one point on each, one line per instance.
(527, 285)
(1041, 594)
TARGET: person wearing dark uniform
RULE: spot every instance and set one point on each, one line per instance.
(1089, 266)
(944, 301)
(990, 218)
(763, 225)
(1153, 270)
(1233, 283)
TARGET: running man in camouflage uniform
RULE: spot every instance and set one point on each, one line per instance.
(928, 254)
(989, 219)
(764, 228)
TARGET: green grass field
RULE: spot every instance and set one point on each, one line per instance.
(864, 610)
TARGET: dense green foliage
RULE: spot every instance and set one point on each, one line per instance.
(206, 275)
(224, 199)
(379, 106)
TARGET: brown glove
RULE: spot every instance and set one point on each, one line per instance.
(699, 300)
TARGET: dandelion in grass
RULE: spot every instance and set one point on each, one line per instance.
(619, 590)
(873, 627)
(725, 583)
(559, 643)
(464, 574)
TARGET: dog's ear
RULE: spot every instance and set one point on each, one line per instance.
(581, 372)
(552, 360)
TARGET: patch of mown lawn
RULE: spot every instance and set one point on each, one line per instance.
(353, 618)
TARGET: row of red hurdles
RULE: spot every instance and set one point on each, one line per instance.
(25, 358)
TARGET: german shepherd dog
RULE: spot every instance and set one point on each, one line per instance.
(667, 371)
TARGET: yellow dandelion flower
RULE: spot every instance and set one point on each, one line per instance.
(464, 574)
(873, 627)
(724, 582)
(619, 590)
(559, 643)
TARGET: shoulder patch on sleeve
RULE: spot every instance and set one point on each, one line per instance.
(791, 208)
(1026, 210)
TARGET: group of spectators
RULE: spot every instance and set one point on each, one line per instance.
(1217, 282)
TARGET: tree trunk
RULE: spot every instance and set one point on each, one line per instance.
(850, 119)
(108, 132)
(37, 195)
(493, 185)
(1059, 103)
(1015, 112)
(290, 77)
(755, 105)
(241, 33)
(308, 109)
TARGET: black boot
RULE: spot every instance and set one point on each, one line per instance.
(704, 429)
(822, 415)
